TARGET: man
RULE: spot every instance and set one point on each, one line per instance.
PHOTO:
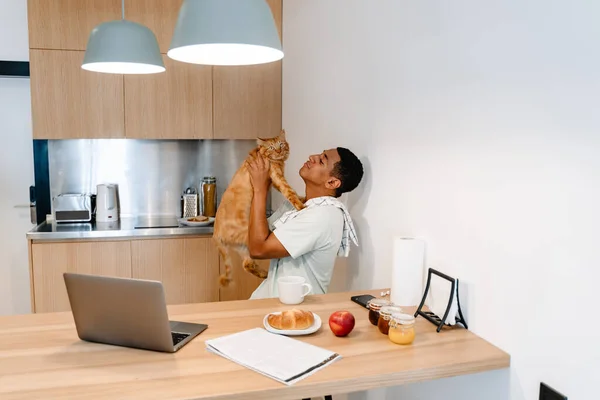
(304, 243)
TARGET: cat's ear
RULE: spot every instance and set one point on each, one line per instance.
(282, 134)
(261, 141)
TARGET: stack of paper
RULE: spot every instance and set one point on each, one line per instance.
(279, 357)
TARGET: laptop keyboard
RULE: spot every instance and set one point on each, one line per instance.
(178, 337)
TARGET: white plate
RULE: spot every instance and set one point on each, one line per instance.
(295, 332)
(184, 221)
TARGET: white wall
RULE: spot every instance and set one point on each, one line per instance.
(14, 42)
(16, 162)
(478, 125)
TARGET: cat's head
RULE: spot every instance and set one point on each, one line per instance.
(276, 148)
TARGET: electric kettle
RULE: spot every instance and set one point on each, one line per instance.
(107, 205)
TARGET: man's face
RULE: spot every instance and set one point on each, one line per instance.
(319, 167)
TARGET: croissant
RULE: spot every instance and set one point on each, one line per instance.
(291, 320)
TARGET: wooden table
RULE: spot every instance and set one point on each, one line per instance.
(41, 357)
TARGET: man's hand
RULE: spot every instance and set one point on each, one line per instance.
(259, 173)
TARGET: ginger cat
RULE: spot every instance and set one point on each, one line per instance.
(233, 215)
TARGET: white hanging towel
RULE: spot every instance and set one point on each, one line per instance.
(349, 233)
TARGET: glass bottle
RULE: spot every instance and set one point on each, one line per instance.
(374, 305)
(385, 313)
(402, 328)
(209, 196)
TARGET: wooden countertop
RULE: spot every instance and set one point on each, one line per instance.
(128, 228)
(41, 357)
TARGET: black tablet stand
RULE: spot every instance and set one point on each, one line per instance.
(430, 316)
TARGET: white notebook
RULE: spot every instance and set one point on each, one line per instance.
(279, 357)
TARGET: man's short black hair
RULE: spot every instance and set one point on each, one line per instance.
(349, 170)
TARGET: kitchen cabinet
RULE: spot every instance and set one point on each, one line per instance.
(159, 16)
(243, 283)
(68, 102)
(51, 260)
(66, 24)
(247, 99)
(185, 102)
(175, 104)
(187, 267)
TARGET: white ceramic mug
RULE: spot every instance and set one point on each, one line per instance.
(292, 289)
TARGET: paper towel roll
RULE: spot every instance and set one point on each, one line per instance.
(407, 271)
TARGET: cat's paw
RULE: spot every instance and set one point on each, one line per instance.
(259, 273)
(253, 268)
(224, 281)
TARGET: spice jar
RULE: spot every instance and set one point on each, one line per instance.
(385, 313)
(209, 196)
(402, 328)
(374, 305)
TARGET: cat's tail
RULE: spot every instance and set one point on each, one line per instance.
(225, 279)
(252, 267)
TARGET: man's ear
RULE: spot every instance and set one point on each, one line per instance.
(333, 183)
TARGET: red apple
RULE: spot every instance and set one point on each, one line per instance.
(341, 323)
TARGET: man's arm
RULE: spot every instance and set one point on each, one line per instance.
(262, 244)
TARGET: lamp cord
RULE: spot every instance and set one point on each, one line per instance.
(122, 9)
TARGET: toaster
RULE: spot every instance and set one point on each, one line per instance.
(73, 207)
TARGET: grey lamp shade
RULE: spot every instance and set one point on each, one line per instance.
(122, 47)
(225, 32)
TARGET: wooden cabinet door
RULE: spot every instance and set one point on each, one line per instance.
(160, 16)
(187, 267)
(51, 260)
(175, 104)
(247, 99)
(66, 24)
(69, 102)
(243, 283)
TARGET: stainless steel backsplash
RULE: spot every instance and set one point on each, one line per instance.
(151, 174)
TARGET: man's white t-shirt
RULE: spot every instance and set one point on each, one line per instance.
(312, 238)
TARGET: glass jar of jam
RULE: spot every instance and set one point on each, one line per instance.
(385, 313)
(402, 328)
(374, 305)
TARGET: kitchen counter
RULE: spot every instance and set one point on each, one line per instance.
(42, 357)
(128, 227)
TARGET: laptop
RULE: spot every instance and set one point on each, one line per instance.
(125, 312)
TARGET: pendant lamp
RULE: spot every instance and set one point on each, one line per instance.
(122, 47)
(225, 32)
